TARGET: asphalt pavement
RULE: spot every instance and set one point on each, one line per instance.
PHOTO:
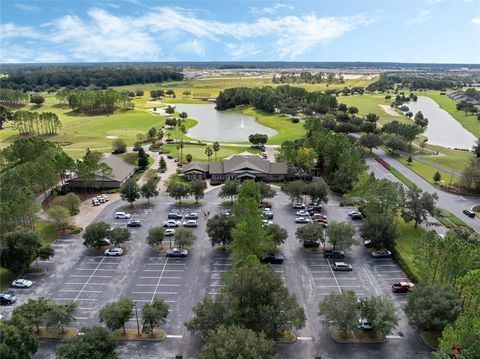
(78, 273)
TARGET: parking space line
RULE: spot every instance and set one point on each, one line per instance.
(163, 277)
(87, 276)
(161, 264)
(331, 270)
(164, 270)
(84, 283)
(319, 265)
(390, 271)
(102, 269)
(160, 285)
(400, 279)
(148, 301)
(74, 291)
(83, 288)
(85, 308)
(79, 299)
(386, 265)
(219, 271)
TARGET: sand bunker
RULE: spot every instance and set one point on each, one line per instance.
(389, 110)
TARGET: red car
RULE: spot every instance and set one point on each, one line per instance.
(402, 287)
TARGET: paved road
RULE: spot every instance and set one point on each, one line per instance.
(78, 273)
(454, 203)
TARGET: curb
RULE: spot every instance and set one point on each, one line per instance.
(357, 341)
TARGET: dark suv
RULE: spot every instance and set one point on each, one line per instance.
(272, 258)
(469, 213)
(174, 215)
(334, 255)
(311, 244)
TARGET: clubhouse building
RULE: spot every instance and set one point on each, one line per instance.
(237, 167)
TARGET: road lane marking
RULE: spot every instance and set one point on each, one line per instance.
(174, 336)
(304, 338)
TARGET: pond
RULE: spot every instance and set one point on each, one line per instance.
(443, 129)
(223, 126)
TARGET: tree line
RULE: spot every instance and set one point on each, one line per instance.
(29, 123)
(94, 101)
(13, 97)
(388, 81)
(43, 77)
(307, 77)
(30, 166)
(285, 99)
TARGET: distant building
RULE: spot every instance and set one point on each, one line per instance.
(240, 167)
(121, 172)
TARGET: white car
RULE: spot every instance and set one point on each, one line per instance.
(302, 213)
(190, 223)
(22, 283)
(122, 215)
(169, 232)
(171, 223)
(267, 222)
(351, 213)
(114, 252)
(302, 220)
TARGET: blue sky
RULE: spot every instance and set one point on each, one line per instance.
(437, 31)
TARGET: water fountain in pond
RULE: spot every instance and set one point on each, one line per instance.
(242, 125)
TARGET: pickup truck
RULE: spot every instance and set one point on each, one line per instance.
(402, 287)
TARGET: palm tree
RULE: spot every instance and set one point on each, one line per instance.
(216, 148)
(208, 152)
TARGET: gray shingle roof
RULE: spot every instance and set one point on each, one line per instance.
(199, 166)
(120, 169)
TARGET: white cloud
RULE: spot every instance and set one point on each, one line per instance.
(422, 16)
(103, 36)
(10, 30)
(476, 20)
(242, 50)
(270, 10)
(25, 7)
(192, 47)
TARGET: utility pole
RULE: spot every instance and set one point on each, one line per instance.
(136, 316)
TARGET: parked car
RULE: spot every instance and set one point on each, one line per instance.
(267, 214)
(311, 244)
(191, 215)
(21, 283)
(190, 223)
(402, 287)
(298, 206)
(318, 217)
(334, 255)
(469, 213)
(302, 220)
(302, 213)
(364, 324)
(175, 215)
(351, 213)
(341, 266)
(356, 216)
(113, 252)
(171, 223)
(134, 223)
(101, 199)
(105, 197)
(170, 157)
(272, 258)
(383, 253)
(263, 155)
(267, 222)
(95, 202)
(176, 252)
(122, 215)
(368, 243)
(315, 208)
(169, 232)
(7, 298)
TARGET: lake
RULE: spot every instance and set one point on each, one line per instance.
(443, 129)
(224, 126)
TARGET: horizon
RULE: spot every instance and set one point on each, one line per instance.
(247, 31)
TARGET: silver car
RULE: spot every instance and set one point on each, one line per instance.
(342, 266)
(171, 223)
(190, 223)
(169, 232)
(22, 283)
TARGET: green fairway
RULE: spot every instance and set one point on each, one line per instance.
(198, 152)
(370, 103)
(283, 124)
(427, 172)
(470, 122)
(448, 158)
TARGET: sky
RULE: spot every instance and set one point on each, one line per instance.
(419, 31)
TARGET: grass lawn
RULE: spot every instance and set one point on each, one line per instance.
(210, 87)
(402, 178)
(452, 159)
(198, 152)
(6, 278)
(404, 246)
(470, 122)
(370, 103)
(427, 172)
(283, 124)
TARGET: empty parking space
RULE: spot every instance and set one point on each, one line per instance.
(88, 281)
